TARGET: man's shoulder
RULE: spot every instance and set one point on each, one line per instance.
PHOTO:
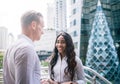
(20, 44)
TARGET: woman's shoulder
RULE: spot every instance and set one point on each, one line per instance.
(77, 58)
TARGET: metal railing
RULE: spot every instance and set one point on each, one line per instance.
(94, 79)
(89, 79)
(1, 76)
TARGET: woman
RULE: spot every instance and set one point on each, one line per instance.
(65, 66)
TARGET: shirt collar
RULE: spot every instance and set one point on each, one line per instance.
(64, 58)
(26, 38)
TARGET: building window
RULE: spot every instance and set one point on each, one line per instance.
(74, 1)
(74, 11)
(70, 24)
(85, 21)
(84, 33)
(74, 22)
(76, 45)
(75, 33)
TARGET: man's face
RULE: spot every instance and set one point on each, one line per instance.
(39, 30)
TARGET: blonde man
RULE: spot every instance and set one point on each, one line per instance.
(21, 63)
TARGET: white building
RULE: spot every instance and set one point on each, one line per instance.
(60, 15)
(11, 39)
(3, 38)
(47, 41)
(51, 16)
(75, 23)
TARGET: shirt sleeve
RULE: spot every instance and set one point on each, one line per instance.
(24, 65)
(80, 72)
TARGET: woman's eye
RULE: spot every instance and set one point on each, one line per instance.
(57, 42)
(62, 42)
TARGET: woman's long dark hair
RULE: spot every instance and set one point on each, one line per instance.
(70, 53)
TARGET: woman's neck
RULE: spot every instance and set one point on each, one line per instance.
(62, 55)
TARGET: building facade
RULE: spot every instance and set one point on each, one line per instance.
(11, 39)
(60, 15)
(3, 38)
(46, 43)
(75, 23)
(50, 16)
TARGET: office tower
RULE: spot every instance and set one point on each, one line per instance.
(75, 23)
(51, 16)
(46, 43)
(10, 39)
(3, 38)
(60, 15)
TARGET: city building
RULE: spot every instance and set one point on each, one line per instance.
(46, 43)
(3, 38)
(60, 15)
(11, 39)
(44, 47)
(75, 23)
(51, 16)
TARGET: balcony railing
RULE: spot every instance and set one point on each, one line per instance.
(96, 78)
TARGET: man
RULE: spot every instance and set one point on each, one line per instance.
(21, 63)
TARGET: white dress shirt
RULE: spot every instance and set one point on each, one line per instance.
(21, 63)
(60, 76)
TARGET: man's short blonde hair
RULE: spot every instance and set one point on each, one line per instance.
(30, 16)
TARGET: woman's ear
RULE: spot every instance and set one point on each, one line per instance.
(33, 25)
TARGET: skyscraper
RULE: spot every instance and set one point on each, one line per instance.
(75, 23)
(60, 15)
(10, 39)
(50, 16)
(3, 38)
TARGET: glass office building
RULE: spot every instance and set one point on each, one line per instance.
(111, 9)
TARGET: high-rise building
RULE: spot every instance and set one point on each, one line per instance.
(51, 16)
(75, 23)
(10, 39)
(3, 38)
(111, 9)
(60, 15)
(47, 41)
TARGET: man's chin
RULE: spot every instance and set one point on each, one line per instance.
(38, 38)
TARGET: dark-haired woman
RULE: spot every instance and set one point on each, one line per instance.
(65, 66)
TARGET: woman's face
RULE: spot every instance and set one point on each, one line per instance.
(61, 44)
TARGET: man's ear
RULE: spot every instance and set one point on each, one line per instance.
(33, 24)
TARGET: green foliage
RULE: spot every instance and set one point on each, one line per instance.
(1, 60)
(88, 83)
(44, 63)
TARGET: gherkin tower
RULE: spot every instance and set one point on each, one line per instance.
(101, 53)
